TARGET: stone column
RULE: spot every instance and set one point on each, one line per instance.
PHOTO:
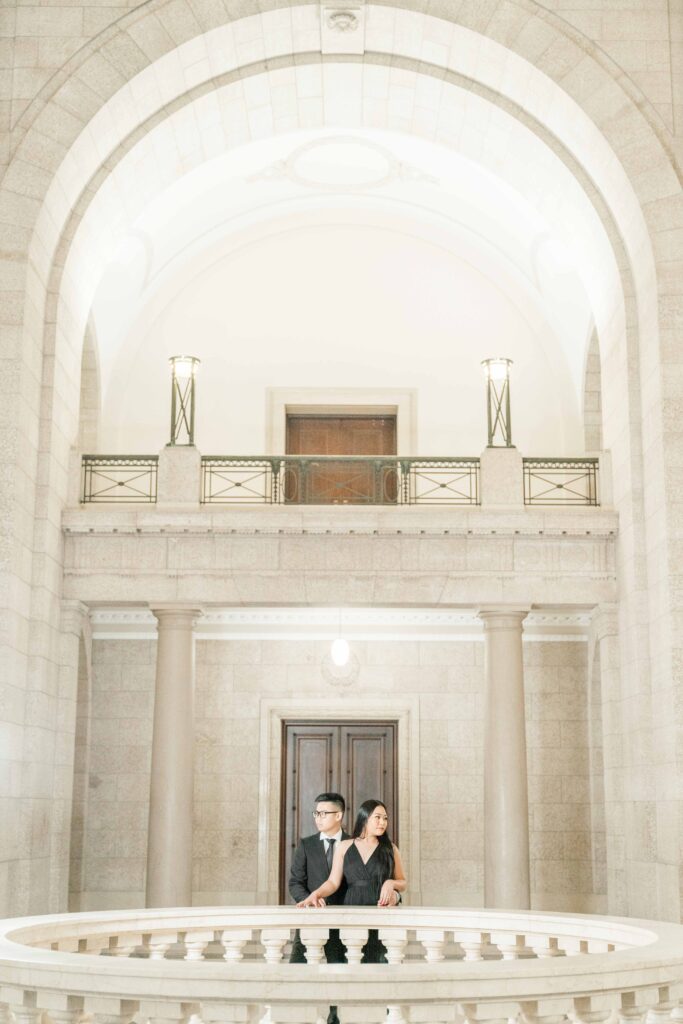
(169, 843)
(506, 801)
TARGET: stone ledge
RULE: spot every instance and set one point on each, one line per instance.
(333, 520)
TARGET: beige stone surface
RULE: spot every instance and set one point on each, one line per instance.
(232, 677)
(610, 114)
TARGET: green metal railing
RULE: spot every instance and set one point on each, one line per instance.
(561, 482)
(120, 478)
(336, 480)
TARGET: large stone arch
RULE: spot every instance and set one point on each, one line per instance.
(108, 99)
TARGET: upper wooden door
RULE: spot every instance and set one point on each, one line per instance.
(341, 435)
(355, 759)
(335, 481)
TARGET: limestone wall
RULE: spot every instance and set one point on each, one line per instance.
(643, 37)
(233, 677)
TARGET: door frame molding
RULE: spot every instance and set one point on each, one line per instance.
(403, 710)
(399, 402)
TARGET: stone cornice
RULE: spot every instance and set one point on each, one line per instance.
(358, 624)
(277, 521)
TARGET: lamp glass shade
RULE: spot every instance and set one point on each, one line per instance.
(340, 651)
(496, 369)
(184, 367)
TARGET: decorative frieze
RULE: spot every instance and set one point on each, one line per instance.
(380, 624)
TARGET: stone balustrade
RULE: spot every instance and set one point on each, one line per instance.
(444, 964)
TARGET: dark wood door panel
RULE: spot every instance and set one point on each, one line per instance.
(356, 759)
(338, 482)
(341, 435)
(367, 760)
(312, 758)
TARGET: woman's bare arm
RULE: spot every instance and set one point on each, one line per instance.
(398, 883)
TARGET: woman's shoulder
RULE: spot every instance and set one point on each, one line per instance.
(395, 848)
(345, 844)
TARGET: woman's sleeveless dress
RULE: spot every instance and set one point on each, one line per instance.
(364, 883)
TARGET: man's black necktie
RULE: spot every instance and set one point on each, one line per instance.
(329, 853)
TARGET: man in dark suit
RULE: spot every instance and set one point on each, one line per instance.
(311, 867)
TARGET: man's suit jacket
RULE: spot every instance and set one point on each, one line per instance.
(309, 870)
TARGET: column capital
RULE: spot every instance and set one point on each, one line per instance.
(510, 616)
(74, 617)
(604, 621)
(175, 616)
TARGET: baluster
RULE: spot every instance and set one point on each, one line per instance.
(510, 946)
(396, 940)
(529, 1015)
(103, 1010)
(196, 943)
(68, 1015)
(165, 1012)
(545, 946)
(629, 1012)
(433, 943)
(470, 944)
(96, 944)
(233, 941)
(27, 1011)
(584, 1014)
(470, 1011)
(661, 1012)
(274, 939)
(156, 944)
(124, 944)
(354, 939)
(314, 940)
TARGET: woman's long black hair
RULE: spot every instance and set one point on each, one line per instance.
(385, 853)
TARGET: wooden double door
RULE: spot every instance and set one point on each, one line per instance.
(340, 478)
(356, 759)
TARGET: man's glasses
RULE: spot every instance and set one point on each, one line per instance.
(323, 814)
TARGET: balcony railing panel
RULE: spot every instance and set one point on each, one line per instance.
(120, 478)
(337, 480)
(333, 480)
(561, 481)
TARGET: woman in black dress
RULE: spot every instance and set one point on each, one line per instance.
(372, 868)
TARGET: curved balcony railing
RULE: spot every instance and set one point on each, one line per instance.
(444, 965)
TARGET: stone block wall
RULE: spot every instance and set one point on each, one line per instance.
(115, 832)
(567, 854)
(233, 676)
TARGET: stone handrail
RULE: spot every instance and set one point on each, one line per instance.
(445, 964)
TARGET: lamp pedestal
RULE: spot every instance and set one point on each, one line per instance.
(501, 478)
(179, 476)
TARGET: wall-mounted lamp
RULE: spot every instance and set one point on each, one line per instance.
(497, 374)
(183, 373)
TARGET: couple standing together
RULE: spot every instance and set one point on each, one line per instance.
(359, 870)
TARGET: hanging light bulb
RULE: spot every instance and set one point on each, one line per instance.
(340, 651)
